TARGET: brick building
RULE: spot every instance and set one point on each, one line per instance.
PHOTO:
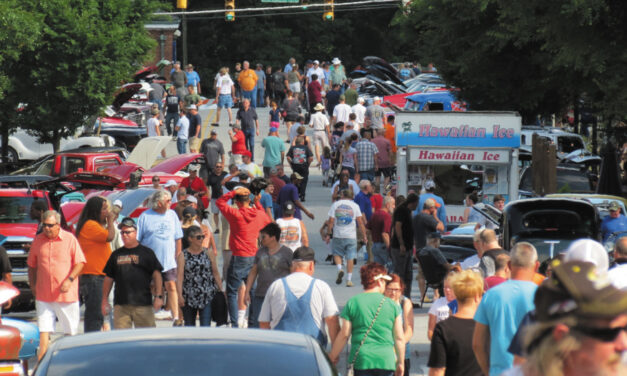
(166, 34)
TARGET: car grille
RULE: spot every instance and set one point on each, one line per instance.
(16, 250)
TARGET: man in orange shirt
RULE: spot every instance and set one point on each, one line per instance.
(94, 230)
(390, 134)
(248, 82)
(54, 262)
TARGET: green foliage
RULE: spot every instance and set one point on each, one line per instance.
(86, 49)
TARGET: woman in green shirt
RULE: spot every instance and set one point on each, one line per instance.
(382, 353)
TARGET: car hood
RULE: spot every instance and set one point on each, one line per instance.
(126, 92)
(112, 121)
(18, 230)
(144, 72)
(148, 150)
(176, 163)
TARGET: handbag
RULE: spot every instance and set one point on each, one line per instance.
(219, 313)
(350, 370)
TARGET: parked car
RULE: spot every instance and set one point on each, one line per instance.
(190, 351)
(10, 338)
(32, 168)
(444, 100)
(550, 224)
(565, 142)
(569, 180)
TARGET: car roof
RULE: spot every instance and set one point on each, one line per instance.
(160, 334)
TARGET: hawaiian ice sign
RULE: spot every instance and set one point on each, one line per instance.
(467, 129)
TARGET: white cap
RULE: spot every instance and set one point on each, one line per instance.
(191, 198)
(376, 99)
(194, 167)
(170, 183)
(429, 184)
(192, 107)
(316, 62)
(588, 250)
(336, 61)
(361, 100)
(117, 203)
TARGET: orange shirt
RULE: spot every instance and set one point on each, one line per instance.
(390, 134)
(93, 241)
(54, 259)
(247, 79)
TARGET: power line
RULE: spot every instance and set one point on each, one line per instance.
(274, 8)
(287, 12)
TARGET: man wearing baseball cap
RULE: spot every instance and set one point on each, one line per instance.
(300, 292)
(213, 150)
(613, 223)
(375, 114)
(238, 146)
(275, 151)
(249, 167)
(195, 185)
(195, 123)
(581, 325)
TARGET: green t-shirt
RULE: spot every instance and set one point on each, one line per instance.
(351, 97)
(191, 99)
(377, 352)
(274, 147)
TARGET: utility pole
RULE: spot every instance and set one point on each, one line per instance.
(182, 4)
(544, 165)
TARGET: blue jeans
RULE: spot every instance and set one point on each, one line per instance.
(367, 175)
(236, 275)
(252, 95)
(261, 98)
(381, 255)
(253, 311)
(158, 103)
(90, 287)
(204, 314)
(403, 267)
(171, 118)
(249, 135)
(181, 145)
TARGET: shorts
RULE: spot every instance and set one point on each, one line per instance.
(225, 101)
(294, 87)
(291, 117)
(236, 159)
(320, 137)
(386, 171)
(275, 124)
(169, 275)
(344, 247)
(214, 207)
(126, 316)
(69, 315)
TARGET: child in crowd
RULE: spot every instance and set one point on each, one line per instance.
(325, 165)
(275, 115)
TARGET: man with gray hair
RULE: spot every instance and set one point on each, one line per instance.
(375, 114)
(159, 229)
(618, 274)
(502, 309)
(54, 262)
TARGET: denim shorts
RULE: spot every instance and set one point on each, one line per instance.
(225, 101)
(344, 247)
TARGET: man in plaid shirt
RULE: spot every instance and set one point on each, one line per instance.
(366, 156)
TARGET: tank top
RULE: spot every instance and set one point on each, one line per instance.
(198, 281)
(291, 233)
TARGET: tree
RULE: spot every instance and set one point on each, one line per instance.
(87, 48)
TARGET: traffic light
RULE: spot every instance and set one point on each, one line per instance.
(181, 4)
(229, 7)
(328, 11)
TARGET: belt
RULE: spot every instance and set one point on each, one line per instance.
(319, 130)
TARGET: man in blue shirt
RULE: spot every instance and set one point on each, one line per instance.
(430, 189)
(502, 309)
(289, 192)
(365, 205)
(614, 222)
(193, 78)
(261, 86)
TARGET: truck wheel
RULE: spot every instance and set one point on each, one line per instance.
(11, 156)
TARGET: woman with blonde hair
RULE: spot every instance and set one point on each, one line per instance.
(451, 345)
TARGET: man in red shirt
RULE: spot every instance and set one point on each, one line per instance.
(239, 144)
(195, 185)
(314, 92)
(278, 184)
(380, 226)
(245, 222)
(502, 272)
(54, 262)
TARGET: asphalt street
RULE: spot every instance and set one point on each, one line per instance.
(318, 202)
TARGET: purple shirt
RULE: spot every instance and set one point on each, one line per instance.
(384, 146)
(289, 193)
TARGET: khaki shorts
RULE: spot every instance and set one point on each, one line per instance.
(235, 159)
(124, 316)
(320, 137)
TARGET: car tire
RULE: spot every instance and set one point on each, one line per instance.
(12, 156)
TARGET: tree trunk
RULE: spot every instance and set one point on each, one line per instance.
(4, 134)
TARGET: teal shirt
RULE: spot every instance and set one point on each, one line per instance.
(377, 352)
(274, 147)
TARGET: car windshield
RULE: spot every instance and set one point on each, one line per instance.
(16, 210)
(568, 181)
(568, 144)
(184, 357)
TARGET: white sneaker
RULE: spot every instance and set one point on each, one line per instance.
(163, 315)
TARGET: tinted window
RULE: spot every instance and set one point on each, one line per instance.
(183, 357)
(16, 210)
(568, 181)
(45, 168)
(101, 164)
(73, 164)
(567, 144)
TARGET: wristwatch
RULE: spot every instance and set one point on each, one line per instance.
(71, 279)
(159, 297)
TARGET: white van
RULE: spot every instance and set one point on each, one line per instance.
(565, 142)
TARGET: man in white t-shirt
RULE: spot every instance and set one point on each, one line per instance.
(182, 132)
(360, 111)
(316, 69)
(320, 124)
(341, 112)
(618, 274)
(225, 95)
(250, 167)
(344, 217)
(152, 125)
(310, 297)
(293, 230)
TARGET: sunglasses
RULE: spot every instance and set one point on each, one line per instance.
(49, 225)
(601, 334)
(126, 232)
(199, 237)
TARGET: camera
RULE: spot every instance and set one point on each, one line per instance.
(257, 185)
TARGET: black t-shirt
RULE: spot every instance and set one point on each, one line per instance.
(5, 263)
(300, 155)
(403, 215)
(451, 347)
(247, 118)
(132, 269)
(487, 265)
(333, 98)
(194, 121)
(213, 151)
(423, 224)
(215, 182)
(172, 103)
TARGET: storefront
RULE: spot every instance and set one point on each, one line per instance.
(461, 152)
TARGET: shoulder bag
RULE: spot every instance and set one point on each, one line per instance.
(350, 371)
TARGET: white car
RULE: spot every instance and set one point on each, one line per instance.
(25, 147)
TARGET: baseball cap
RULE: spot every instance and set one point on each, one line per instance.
(191, 198)
(614, 206)
(576, 288)
(376, 98)
(117, 203)
(194, 167)
(192, 107)
(429, 184)
(361, 100)
(247, 153)
(316, 62)
(170, 183)
(213, 131)
(127, 222)
(589, 251)
(189, 211)
(273, 129)
(304, 254)
(289, 208)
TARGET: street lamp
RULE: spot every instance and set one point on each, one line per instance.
(177, 34)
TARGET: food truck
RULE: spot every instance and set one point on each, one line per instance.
(461, 152)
